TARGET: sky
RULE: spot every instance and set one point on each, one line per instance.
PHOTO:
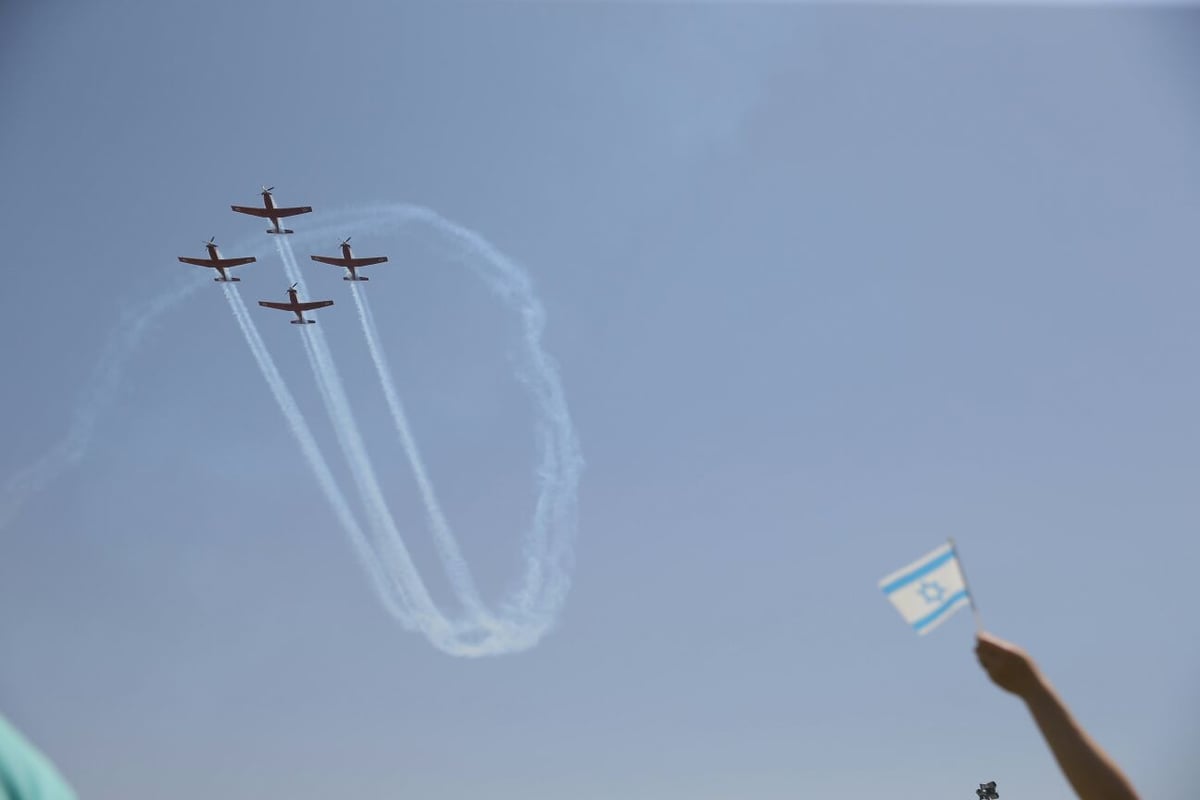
(823, 286)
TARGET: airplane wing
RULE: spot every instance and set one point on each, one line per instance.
(279, 213)
(349, 262)
(280, 306)
(337, 262)
(254, 212)
(225, 263)
(312, 305)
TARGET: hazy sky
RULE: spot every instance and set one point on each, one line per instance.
(825, 286)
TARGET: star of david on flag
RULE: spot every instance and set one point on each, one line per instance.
(929, 590)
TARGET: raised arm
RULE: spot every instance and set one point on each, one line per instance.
(1091, 773)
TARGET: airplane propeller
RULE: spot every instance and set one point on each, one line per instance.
(212, 240)
(346, 241)
(293, 286)
(268, 189)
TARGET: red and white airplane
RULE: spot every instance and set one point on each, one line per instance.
(269, 211)
(350, 262)
(296, 307)
(215, 261)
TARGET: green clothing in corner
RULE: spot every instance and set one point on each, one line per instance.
(26, 774)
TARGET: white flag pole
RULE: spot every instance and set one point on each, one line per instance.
(970, 594)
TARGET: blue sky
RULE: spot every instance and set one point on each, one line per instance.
(824, 285)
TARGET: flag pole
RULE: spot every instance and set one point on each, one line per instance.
(967, 586)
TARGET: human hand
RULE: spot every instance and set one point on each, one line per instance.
(1007, 665)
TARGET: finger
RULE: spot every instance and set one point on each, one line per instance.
(987, 647)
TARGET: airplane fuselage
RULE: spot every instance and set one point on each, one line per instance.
(269, 204)
(215, 255)
(294, 299)
(347, 254)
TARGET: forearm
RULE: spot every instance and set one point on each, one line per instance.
(1090, 771)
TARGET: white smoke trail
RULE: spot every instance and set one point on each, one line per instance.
(312, 453)
(542, 590)
(98, 394)
(386, 536)
(452, 558)
(547, 545)
(106, 378)
(475, 634)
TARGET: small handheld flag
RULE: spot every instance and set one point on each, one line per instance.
(929, 590)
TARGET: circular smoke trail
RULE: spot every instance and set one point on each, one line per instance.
(532, 608)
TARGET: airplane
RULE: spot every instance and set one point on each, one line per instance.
(349, 261)
(215, 261)
(269, 211)
(296, 307)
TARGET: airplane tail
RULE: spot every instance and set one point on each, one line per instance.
(226, 280)
(285, 230)
(304, 321)
(357, 278)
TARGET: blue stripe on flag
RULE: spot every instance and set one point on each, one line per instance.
(904, 580)
(932, 616)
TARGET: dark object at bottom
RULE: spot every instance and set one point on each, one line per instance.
(987, 791)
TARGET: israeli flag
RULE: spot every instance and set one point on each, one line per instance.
(929, 590)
